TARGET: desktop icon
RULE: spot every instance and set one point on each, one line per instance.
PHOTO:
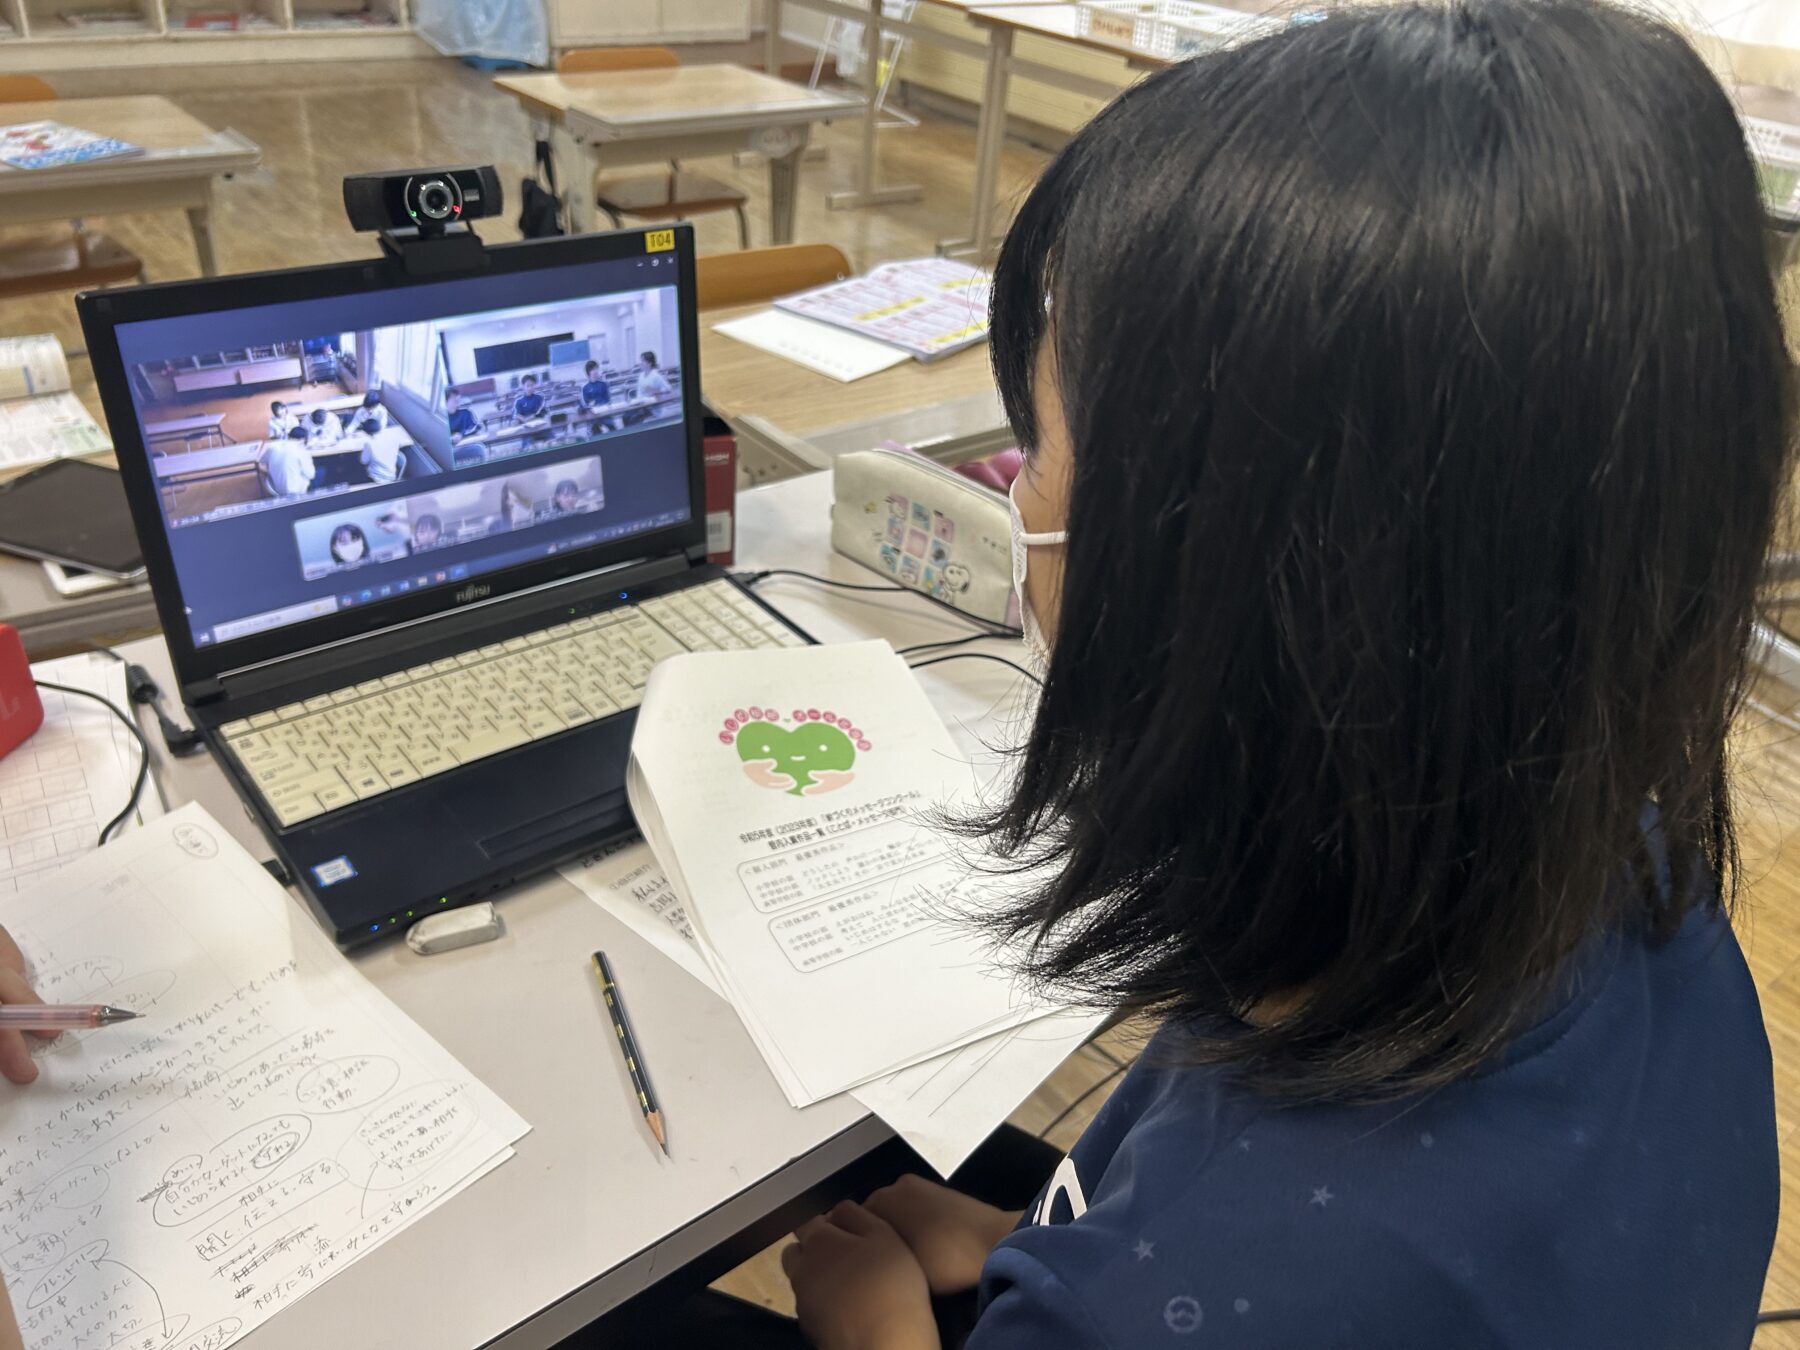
(368, 595)
(387, 590)
(421, 581)
(442, 577)
(406, 585)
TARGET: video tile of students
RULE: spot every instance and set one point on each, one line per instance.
(543, 376)
(234, 432)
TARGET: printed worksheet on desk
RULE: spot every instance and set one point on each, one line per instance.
(71, 776)
(943, 1107)
(791, 795)
(177, 1180)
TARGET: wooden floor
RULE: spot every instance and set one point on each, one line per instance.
(319, 122)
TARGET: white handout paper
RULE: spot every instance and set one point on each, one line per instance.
(270, 1118)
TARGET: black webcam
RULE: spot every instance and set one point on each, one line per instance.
(423, 215)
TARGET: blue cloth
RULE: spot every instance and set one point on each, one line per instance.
(1612, 1180)
(527, 406)
(595, 394)
(462, 422)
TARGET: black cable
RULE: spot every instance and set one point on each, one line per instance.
(751, 578)
(989, 629)
(143, 770)
(1064, 1114)
(1104, 1053)
(141, 688)
(979, 656)
(1778, 1315)
(950, 642)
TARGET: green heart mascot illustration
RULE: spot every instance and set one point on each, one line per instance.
(813, 755)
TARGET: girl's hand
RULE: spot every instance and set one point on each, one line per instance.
(15, 1057)
(950, 1233)
(856, 1286)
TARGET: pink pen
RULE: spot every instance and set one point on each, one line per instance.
(60, 1016)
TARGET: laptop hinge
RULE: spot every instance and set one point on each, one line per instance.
(467, 621)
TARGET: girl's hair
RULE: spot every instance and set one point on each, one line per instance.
(1429, 409)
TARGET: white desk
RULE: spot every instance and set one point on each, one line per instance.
(182, 158)
(631, 117)
(589, 1213)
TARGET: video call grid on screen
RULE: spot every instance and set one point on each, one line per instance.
(327, 453)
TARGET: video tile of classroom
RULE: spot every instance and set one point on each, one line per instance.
(520, 382)
(219, 426)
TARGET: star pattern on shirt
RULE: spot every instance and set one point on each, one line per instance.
(1144, 1250)
(1322, 1196)
(1244, 1144)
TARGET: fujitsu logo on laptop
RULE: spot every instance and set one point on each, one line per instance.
(468, 593)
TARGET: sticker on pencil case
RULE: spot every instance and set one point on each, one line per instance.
(334, 871)
(805, 754)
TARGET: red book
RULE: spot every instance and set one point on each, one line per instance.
(720, 457)
(21, 711)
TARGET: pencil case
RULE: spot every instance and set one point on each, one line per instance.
(930, 530)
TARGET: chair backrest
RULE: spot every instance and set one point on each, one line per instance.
(589, 60)
(24, 89)
(764, 273)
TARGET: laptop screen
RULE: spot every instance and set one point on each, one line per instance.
(314, 457)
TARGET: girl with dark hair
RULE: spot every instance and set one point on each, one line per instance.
(1406, 409)
(349, 545)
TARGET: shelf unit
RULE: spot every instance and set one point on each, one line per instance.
(43, 36)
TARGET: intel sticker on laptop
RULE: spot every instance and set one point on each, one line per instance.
(330, 873)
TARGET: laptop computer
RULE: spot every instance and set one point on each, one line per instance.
(414, 629)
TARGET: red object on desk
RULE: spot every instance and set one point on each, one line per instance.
(21, 710)
(720, 456)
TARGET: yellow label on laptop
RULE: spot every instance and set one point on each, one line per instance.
(657, 241)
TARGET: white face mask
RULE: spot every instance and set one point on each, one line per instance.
(1036, 648)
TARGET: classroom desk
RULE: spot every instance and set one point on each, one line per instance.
(54, 625)
(1004, 23)
(866, 192)
(211, 426)
(631, 117)
(589, 1212)
(1781, 106)
(183, 157)
(777, 408)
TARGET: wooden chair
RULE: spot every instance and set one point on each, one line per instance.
(676, 195)
(55, 262)
(723, 279)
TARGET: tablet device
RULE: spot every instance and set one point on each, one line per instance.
(71, 512)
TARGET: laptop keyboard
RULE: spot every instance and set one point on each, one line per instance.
(358, 742)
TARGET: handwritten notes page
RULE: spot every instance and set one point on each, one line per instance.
(787, 794)
(171, 1183)
(71, 776)
(943, 1107)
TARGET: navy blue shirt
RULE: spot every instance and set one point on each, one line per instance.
(528, 405)
(1611, 1180)
(595, 394)
(462, 422)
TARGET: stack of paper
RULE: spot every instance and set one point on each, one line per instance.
(40, 419)
(71, 776)
(270, 1119)
(943, 1107)
(923, 308)
(790, 796)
